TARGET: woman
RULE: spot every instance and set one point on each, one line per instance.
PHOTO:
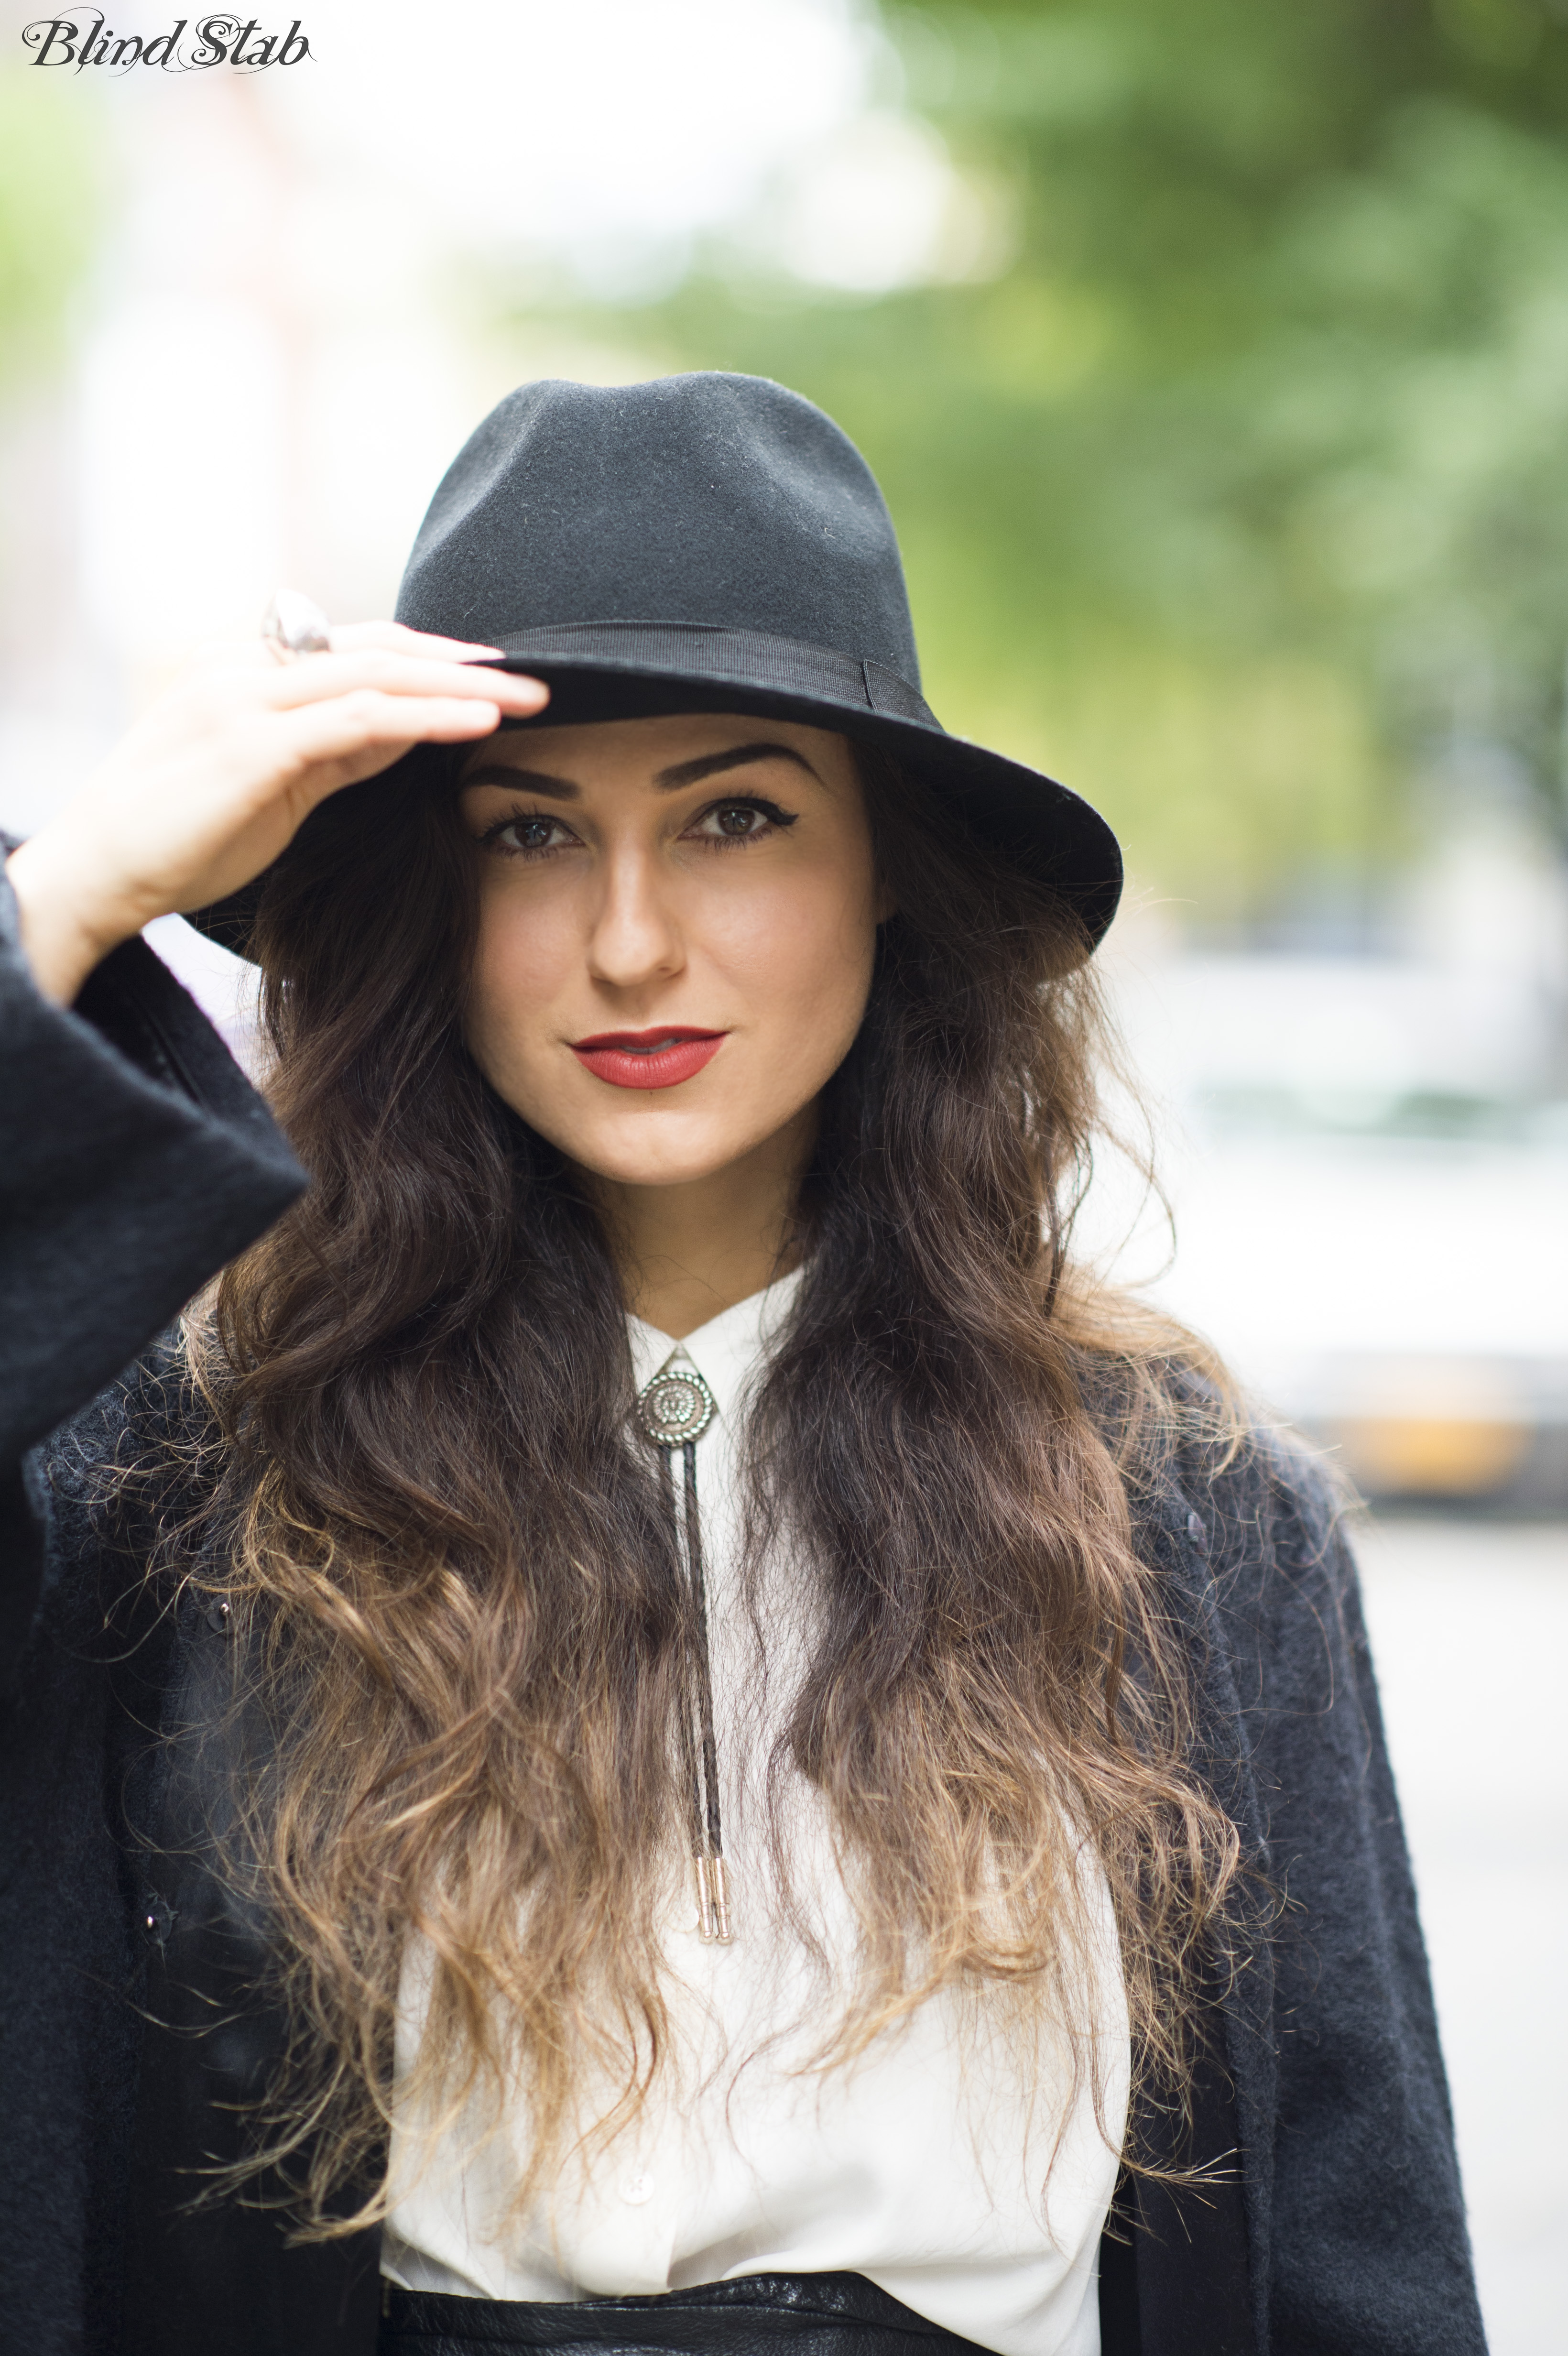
(656, 1727)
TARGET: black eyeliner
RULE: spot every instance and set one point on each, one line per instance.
(770, 810)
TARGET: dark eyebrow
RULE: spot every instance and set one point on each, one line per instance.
(665, 781)
(501, 773)
(708, 765)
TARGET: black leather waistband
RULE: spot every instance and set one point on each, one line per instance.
(760, 2315)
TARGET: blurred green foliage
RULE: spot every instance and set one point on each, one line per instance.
(48, 210)
(1242, 490)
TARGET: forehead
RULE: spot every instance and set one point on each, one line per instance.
(638, 748)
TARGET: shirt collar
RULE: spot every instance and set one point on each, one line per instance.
(729, 1352)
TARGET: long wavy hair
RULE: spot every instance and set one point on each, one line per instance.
(455, 1567)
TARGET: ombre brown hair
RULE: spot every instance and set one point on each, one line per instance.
(455, 1566)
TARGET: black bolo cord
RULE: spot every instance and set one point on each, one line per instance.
(674, 1411)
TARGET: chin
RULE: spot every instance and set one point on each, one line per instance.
(646, 1144)
(643, 1157)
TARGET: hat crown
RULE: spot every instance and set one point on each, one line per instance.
(719, 501)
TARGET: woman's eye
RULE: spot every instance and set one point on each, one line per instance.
(525, 837)
(742, 821)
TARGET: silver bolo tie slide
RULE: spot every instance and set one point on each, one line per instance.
(673, 1411)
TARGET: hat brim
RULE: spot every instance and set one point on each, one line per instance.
(1030, 820)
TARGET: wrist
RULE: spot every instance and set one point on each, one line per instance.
(63, 935)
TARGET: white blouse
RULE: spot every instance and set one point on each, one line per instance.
(968, 2180)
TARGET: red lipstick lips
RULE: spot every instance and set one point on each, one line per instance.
(648, 1059)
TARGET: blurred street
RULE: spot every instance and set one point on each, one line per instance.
(1469, 1628)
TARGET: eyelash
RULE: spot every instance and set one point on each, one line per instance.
(776, 818)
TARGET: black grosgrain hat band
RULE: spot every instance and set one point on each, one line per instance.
(745, 659)
(711, 543)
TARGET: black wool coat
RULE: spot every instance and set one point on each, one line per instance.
(135, 1161)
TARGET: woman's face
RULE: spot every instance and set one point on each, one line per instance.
(676, 924)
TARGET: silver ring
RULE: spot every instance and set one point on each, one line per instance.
(291, 626)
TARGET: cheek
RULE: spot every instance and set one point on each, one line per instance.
(524, 959)
(802, 957)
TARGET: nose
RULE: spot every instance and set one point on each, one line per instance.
(635, 937)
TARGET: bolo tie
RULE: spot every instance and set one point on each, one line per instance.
(673, 1411)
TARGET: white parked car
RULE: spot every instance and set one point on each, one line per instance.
(1369, 1178)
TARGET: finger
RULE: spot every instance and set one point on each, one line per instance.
(348, 636)
(324, 675)
(369, 722)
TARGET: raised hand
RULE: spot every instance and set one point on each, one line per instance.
(218, 775)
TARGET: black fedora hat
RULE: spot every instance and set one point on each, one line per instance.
(711, 543)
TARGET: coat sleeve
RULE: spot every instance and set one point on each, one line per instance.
(1368, 2252)
(135, 1160)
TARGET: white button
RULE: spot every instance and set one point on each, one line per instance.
(636, 2190)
